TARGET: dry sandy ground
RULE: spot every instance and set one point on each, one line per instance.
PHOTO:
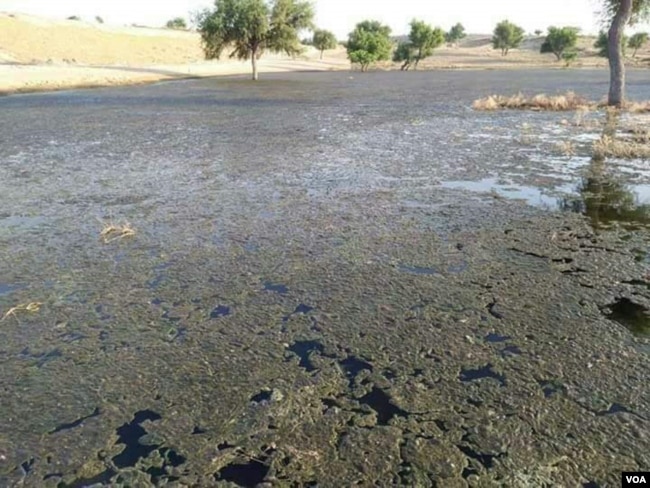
(47, 54)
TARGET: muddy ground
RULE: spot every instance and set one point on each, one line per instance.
(336, 280)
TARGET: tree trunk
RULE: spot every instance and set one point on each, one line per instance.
(321, 54)
(616, 96)
(254, 63)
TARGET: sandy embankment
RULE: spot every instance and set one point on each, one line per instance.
(43, 54)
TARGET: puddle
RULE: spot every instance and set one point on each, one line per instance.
(129, 435)
(467, 375)
(8, 288)
(304, 349)
(220, 311)
(352, 366)
(635, 317)
(276, 287)
(247, 475)
(495, 338)
(380, 402)
(533, 196)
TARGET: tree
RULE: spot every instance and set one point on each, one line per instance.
(602, 44)
(507, 36)
(538, 32)
(368, 43)
(560, 39)
(405, 54)
(621, 13)
(455, 34)
(176, 23)
(251, 27)
(424, 40)
(99, 20)
(637, 41)
(323, 40)
(569, 57)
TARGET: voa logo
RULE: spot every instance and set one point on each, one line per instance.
(636, 479)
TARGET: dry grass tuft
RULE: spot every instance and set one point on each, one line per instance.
(638, 107)
(620, 148)
(567, 148)
(113, 232)
(568, 101)
(31, 307)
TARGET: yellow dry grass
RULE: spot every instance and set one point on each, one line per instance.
(113, 232)
(608, 146)
(31, 307)
(566, 148)
(567, 101)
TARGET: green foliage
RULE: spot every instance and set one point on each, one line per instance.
(74, 17)
(507, 36)
(538, 32)
(560, 39)
(99, 20)
(323, 40)
(424, 39)
(602, 44)
(251, 27)
(368, 43)
(177, 23)
(637, 41)
(640, 10)
(455, 34)
(569, 57)
(405, 54)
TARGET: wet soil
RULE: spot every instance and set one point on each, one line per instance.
(335, 280)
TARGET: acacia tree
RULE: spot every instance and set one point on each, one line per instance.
(368, 43)
(507, 36)
(405, 54)
(560, 39)
(323, 40)
(637, 41)
(251, 27)
(455, 34)
(621, 13)
(424, 39)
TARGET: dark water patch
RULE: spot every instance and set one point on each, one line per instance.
(276, 288)
(303, 309)
(171, 459)
(510, 351)
(389, 374)
(26, 466)
(590, 484)
(261, 397)
(637, 283)
(441, 425)
(129, 434)
(247, 475)
(167, 316)
(532, 195)
(380, 402)
(159, 276)
(330, 403)
(50, 476)
(467, 472)
(496, 338)
(551, 387)
(352, 366)
(198, 430)
(102, 479)
(486, 371)
(156, 301)
(487, 460)
(494, 310)
(474, 402)
(8, 288)
(635, 317)
(417, 270)
(41, 359)
(70, 337)
(100, 309)
(220, 311)
(76, 423)
(304, 350)
(613, 409)
(225, 445)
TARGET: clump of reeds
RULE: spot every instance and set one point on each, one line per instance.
(31, 307)
(567, 101)
(115, 231)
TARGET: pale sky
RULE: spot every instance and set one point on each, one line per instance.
(478, 16)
